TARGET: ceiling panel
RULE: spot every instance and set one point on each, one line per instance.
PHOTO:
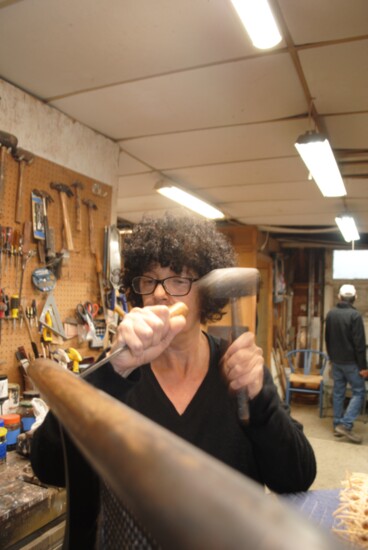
(338, 76)
(349, 131)
(289, 213)
(137, 185)
(148, 201)
(244, 91)
(135, 215)
(323, 20)
(273, 191)
(130, 165)
(62, 47)
(357, 188)
(290, 219)
(292, 206)
(238, 173)
(230, 144)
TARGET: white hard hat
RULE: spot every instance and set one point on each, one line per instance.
(347, 291)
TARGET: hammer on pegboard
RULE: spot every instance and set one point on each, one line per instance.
(64, 192)
(8, 142)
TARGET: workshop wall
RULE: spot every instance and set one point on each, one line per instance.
(53, 136)
(78, 281)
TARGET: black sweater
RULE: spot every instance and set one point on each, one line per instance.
(345, 335)
(272, 449)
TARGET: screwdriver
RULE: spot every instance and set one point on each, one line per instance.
(14, 309)
(7, 249)
(3, 308)
(34, 313)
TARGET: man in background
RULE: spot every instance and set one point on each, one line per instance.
(346, 347)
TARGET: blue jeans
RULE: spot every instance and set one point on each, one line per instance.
(343, 375)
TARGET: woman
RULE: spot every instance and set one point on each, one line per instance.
(184, 379)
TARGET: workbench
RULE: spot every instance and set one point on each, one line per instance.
(29, 514)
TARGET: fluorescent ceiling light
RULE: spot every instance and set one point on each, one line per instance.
(317, 155)
(258, 20)
(348, 228)
(188, 200)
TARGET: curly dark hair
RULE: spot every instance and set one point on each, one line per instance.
(177, 242)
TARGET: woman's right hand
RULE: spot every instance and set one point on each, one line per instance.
(146, 332)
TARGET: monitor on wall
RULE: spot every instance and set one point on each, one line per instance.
(350, 264)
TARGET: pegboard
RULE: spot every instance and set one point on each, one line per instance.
(78, 281)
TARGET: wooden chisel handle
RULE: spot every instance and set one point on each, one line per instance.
(176, 309)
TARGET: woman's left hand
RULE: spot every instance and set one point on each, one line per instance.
(243, 365)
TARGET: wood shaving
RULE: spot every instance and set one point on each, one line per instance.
(352, 514)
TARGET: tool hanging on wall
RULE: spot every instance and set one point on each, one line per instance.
(37, 216)
(27, 253)
(76, 357)
(114, 263)
(3, 308)
(105, 258)
(14, 309)
(43, 279)
(78, 186)
(48, 234)
(16, 252)
(97, 190)
(28, 327)
(24, 158)
(64, 192)
(50, 317)
(8, 143)
(85, 315)
(91, 206)
(46, 333)
(7, 246)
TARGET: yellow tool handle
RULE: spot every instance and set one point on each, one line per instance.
(119, 310)
(14, 306)
(46, 332)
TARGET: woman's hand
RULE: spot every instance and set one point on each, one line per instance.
(146, 332)
(243, 365)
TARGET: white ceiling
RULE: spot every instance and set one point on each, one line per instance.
(179, 86)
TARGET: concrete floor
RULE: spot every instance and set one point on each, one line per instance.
(336, 457)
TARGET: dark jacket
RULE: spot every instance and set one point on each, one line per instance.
(272, 450)
(345, 335)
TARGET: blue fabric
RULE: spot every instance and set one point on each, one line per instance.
(343, 375)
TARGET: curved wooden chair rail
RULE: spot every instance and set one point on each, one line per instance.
(185, 498)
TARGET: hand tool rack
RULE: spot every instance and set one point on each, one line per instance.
(79, 281)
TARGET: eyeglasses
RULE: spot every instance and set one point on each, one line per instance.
(175, 286)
